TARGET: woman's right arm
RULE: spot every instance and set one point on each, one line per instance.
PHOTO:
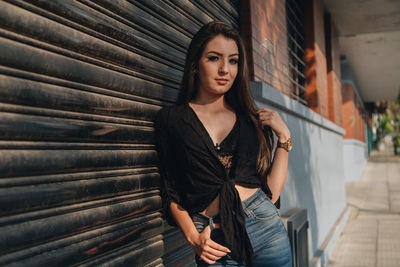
(208, 250)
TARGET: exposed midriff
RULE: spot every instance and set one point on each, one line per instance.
(244, 193)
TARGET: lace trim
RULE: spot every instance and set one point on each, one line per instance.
(226, 159)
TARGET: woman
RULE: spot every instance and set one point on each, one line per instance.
(215, 147)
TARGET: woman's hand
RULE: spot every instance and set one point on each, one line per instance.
(208, 250)
(271, 118)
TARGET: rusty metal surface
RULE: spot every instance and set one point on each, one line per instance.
(80, 84)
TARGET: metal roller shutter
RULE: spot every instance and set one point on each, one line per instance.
(80, 83)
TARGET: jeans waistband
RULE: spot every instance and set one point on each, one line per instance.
(259, 195)
(206, 220)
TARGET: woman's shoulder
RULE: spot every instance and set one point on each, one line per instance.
(174, 109)
(168, 114)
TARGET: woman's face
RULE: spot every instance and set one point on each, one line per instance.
(218, 65)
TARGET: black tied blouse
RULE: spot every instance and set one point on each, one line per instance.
(193, 174)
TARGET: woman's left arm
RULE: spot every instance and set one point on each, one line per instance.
(277, 177)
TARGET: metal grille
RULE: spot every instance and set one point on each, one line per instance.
(296, 47)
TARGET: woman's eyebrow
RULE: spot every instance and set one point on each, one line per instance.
(219, 54)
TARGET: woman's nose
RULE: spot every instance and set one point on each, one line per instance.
(223, 67)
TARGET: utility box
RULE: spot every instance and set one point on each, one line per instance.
(296, 223)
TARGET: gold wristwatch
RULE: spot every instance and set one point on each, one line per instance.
(286, 145)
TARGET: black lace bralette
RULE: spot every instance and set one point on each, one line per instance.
(226, 149)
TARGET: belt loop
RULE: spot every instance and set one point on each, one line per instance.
(246, 210)
(211, 223)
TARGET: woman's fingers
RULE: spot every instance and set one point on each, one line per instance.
(209, 258)
(212, 254)
(268, 114)
(206, 231)
(217, 225)
(273, 120)
(263, 110)
(221, 250)
(211, 251)
(209, 242)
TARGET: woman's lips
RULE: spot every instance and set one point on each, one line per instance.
(222, 81)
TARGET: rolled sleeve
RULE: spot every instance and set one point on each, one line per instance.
(166, 164)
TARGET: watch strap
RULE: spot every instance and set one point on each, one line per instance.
(286, 145)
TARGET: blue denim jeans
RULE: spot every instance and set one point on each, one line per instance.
(266, 231)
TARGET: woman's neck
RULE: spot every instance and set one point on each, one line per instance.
(210, 104)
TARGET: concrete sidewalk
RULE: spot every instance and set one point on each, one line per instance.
(371, 236)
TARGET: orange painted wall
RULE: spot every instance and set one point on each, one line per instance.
(353, 121)
(317, 78)
(333, 72)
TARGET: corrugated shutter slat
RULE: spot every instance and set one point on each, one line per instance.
(80, 84)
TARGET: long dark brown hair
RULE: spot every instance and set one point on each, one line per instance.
(239, 96)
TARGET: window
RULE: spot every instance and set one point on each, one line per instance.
(296, 48)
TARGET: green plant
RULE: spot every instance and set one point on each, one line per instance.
(395, 109)
(389, 122)
(384, 127)
(396, 140)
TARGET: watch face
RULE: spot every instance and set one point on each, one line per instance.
(286, 145)
(290, 144)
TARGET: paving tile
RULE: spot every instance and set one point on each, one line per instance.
(389, 229)
(357, 229)
(354, 255)
(378, 216)
(388, 258)
(389, 245)
(371, 236)
(395, 201)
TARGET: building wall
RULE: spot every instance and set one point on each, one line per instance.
(352, 110)
(315, 178)
(333, 71)
(355, 157)
(317, 82)
(355, 146)
(263, 25)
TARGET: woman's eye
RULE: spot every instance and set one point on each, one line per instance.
(213, 58)
(233, 61)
